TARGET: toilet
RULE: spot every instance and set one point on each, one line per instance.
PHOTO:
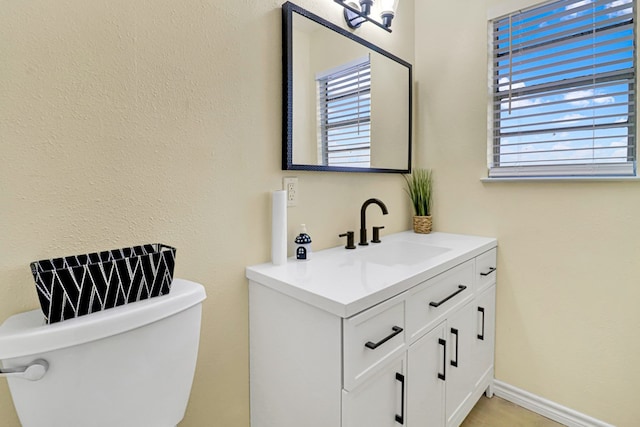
(128, 366)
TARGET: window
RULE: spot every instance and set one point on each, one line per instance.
(344, 96)
(564, 101)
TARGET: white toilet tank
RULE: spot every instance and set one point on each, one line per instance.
(128, 366)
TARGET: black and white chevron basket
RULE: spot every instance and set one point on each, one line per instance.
(73, 286)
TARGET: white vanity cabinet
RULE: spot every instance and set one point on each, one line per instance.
(345, 340)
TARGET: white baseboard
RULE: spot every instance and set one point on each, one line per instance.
(544, 407)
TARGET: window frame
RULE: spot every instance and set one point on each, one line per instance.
(323, 81)
(589, 170)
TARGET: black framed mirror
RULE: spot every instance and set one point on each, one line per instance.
(347, 104)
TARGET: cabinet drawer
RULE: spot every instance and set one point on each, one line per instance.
(486, 265)
(430, 301)
(371, 338)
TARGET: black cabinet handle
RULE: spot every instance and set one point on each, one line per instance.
(439, 303)
(481, 336)
(443, 375)
(396, 330)
(400, 418)
(491, 270)
(454, 331)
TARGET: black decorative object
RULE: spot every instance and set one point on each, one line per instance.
(76, 285)
(303, 244)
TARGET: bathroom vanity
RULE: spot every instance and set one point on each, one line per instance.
(395, 333)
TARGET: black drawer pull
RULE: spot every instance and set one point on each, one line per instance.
(454, 331)
(400, 418)
(481, 336)
(396, 330)
(491, 270)
(439, 303)
(443, 375)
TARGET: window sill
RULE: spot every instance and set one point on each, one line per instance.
(563, 179)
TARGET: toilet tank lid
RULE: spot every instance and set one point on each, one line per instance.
(27, 333)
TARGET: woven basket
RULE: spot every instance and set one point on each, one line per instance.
(422, 224)
(77, 285)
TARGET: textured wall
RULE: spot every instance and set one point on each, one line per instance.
(568, 265)
(160, 121)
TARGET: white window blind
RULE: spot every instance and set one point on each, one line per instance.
(344, 98)
(564, 100)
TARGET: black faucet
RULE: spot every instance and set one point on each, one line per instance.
(363, 220)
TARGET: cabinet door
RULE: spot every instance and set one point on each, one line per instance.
(379, 401)
(483, 348)
(427, 372)
(461, 333)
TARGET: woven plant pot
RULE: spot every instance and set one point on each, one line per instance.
(422, 224)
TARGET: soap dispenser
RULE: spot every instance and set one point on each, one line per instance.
(303, 244)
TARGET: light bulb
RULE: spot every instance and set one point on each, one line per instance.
(388, 11)
(365, 7)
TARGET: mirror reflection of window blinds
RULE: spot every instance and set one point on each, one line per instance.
(344, 96)
(564, 90)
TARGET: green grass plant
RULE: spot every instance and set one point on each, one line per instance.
(419, 189)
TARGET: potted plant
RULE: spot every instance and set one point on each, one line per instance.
(419, 189)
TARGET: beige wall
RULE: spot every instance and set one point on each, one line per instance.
(127, 122)
(569, 253)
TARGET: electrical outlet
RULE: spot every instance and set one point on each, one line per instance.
(290, 185)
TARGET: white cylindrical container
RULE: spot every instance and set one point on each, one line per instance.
(279, 227)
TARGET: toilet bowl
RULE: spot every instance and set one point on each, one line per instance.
(129, 366)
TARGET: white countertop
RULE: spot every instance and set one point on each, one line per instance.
(345, 282)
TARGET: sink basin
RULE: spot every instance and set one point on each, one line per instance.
(398, 253)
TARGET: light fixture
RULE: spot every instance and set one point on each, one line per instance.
(357, 13)
(354, 19)
(388, 11)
